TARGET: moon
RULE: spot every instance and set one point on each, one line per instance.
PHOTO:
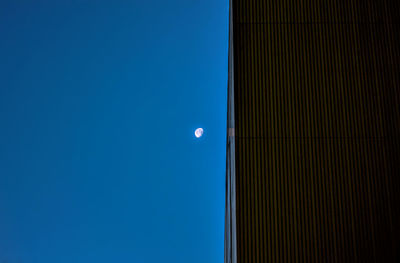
(198, 132)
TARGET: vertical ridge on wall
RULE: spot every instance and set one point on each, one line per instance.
(316, 130)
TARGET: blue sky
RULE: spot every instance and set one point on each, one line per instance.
(99, 101)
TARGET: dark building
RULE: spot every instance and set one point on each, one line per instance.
(313, 147)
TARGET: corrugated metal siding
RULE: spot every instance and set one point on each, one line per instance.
(317, 130)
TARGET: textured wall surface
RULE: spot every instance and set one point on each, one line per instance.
(317, 130)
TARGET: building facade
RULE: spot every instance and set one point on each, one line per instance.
(313, 143)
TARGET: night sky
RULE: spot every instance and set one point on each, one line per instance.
(99, 101)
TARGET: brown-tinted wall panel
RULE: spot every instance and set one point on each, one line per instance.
(317, 130)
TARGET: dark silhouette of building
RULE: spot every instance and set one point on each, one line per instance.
(313, 147)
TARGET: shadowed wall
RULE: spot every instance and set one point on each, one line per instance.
(317, 130)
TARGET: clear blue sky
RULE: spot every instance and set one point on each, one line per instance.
(99, 101)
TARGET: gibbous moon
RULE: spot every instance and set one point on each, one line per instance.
(198, 133)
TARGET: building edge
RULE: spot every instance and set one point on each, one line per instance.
(230, 251)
